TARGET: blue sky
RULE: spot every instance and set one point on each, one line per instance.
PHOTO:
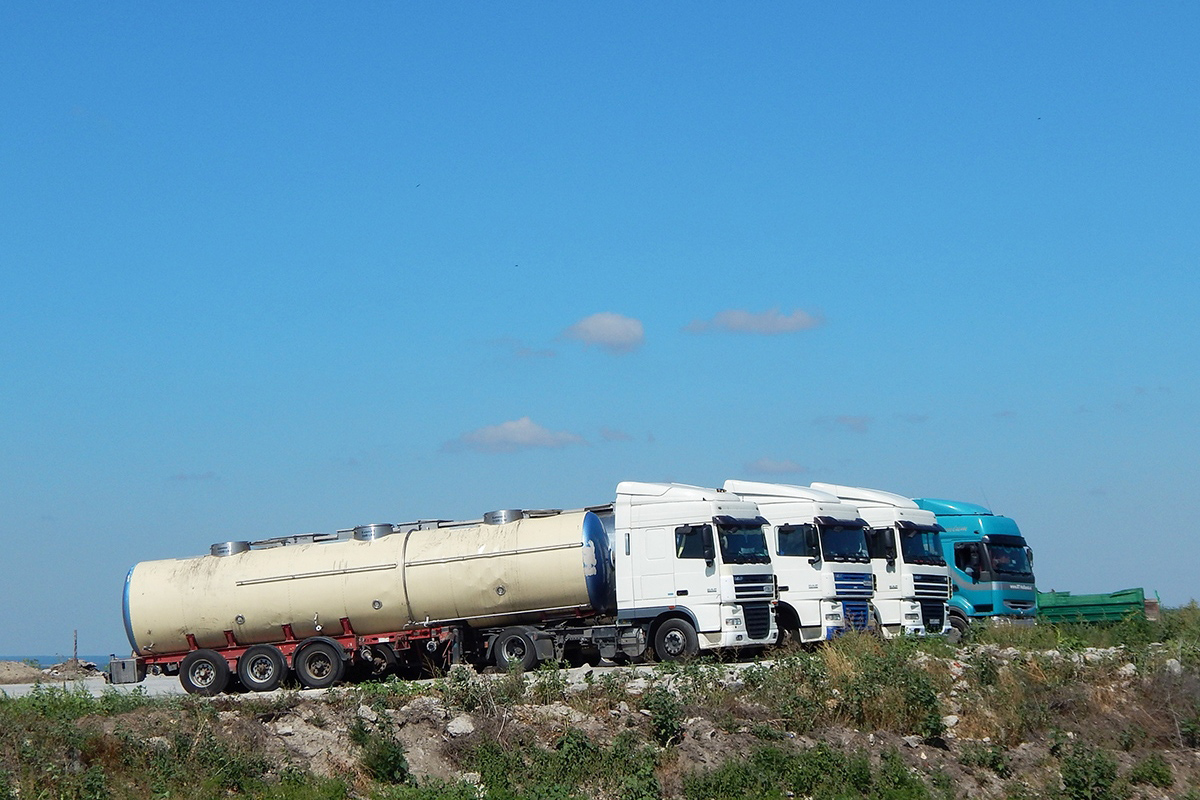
(274, 269)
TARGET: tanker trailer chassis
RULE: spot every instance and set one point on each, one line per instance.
(316, 662)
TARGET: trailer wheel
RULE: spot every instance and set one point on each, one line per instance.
(513, 646)
(261, 668)
(204, 672)
(318, 665)
(377, 660)
(675, 639)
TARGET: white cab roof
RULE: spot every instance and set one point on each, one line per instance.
(764, 493)
(865, 498)
(657, 492)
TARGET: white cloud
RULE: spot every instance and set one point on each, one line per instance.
(509, 437)
(767, 323)
(773, 466)
(613, 332)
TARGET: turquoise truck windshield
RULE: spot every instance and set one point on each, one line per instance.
(743, 544)
(1009, 556)
(841, 543)
(921, 547)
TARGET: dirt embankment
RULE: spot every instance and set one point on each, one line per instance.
(19, 672)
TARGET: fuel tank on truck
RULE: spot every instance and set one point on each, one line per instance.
(483, 574)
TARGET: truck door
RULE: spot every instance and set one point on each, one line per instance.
(697, 583)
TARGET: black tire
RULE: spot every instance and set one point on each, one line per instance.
(958, 629)
(787, 623)
(514, 647)
(262, 668)
(318, 664)
(675, 640)
(204, 672)
(381, 662)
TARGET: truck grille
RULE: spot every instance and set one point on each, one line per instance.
(852, 584)
(931, 586)
(758, 619)
(857, 613)
(933, 615)
(753, 586)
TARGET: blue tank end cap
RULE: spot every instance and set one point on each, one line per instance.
(125, 611)
(951, 507)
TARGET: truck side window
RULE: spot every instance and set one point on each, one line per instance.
(689, 540)
(965, 555)
(880, 543)
(798, 540)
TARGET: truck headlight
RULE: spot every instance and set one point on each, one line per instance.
(834, 617)
(913, 617)
(733, 622)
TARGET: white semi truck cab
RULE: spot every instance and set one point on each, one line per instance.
(692, 568)
(912, 583)
(818, 544)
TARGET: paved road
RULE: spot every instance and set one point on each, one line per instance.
(163, 685)
(153, 685)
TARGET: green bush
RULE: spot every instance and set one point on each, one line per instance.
(382, 755)
(666, 714)
(821, 773)
(992, 757)
(1088, 773)
(1153, 771)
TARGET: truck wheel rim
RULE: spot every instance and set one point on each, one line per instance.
(262, 668)
(514, 649)
(202, 674)
(319, 665)
(674, 643)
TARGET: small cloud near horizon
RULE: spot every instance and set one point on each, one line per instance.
(520, 350)
(766, 323)
(611, 332)
(614, 435)
(773, 466)
(856, 424)
(512, 436)
(195, 476)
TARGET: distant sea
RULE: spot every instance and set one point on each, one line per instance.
(50, 661)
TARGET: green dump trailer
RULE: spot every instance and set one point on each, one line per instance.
(1067, 607)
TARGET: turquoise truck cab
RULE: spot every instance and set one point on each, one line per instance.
(991, 566)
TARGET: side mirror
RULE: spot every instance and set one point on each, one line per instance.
(972, 573)
(710, 552)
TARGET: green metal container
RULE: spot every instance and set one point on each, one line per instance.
(1124, 604)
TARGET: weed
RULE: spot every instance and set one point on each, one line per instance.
(993, 757)
(666, 714)
(549, 684)
(1152, 770)
(382, 755)
(772, 772)
(1088, 773)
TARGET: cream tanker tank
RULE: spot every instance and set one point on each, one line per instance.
(482, 574)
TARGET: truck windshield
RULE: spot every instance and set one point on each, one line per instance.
(743, 544)
(1009, 557)
(840, 543)
(921, 547)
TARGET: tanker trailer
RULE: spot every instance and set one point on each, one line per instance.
(515, 588)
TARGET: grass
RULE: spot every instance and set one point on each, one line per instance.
(1106, 729)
